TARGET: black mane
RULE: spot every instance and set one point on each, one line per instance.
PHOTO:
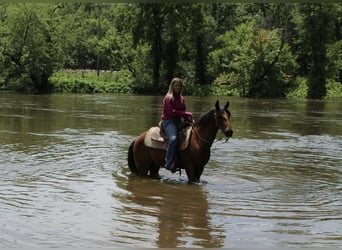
(205, 118)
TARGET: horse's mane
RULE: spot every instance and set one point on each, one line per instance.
(205, 118)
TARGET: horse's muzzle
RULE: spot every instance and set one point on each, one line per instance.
(228, 133)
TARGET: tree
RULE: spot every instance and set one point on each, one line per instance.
(256, 62)
(177, 36)
(254, 50)
(75, 28)
(150, 27)
(314, 25)
(28, 49)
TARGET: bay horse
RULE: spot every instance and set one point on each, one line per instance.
(147, 161)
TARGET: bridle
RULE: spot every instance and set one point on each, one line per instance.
(200, 137)
(203, 139)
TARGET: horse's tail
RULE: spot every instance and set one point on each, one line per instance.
(130, 159)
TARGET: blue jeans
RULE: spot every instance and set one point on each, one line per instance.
(171, 129)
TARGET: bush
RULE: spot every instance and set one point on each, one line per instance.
(87, 81)
(300, 88)
(334, 89)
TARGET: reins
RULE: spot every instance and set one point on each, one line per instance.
(193, 124)
(200, 137)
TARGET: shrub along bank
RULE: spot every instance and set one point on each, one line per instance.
(87, 81)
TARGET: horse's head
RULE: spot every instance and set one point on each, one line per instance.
(222, 116)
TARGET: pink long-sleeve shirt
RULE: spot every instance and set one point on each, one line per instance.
(173, 109)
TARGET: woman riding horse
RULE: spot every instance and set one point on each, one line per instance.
(145, 161)
(173, 110)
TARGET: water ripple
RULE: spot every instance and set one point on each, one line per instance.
(65, 181)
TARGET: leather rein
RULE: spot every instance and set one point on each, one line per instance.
(200, 137)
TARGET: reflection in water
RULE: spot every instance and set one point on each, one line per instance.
(179, 212)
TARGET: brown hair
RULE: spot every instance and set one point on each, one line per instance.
(171, 86)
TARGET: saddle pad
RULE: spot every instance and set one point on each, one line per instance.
(155, 138)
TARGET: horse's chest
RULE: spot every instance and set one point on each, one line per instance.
(201, 157)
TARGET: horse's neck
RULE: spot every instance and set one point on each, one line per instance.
(207, 133)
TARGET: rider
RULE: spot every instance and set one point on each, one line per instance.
(173, 110)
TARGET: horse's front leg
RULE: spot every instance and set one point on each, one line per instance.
(154, 171)
(198, 173)
(194, 173)
(190, 172)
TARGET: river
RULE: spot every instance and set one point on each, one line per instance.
(65, 182)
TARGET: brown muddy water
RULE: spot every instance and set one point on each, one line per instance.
(65, 182)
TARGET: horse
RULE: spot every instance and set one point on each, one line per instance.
(146, 161)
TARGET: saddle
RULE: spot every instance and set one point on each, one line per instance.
(156, 138)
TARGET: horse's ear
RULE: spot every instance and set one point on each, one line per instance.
(217, 105)
(226, 106)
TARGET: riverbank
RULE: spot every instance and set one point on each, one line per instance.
(91, 81)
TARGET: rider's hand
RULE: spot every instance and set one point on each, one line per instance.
(187, 114)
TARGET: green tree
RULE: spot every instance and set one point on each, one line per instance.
(334, 49)
(75, 27)
(177, 37)
(190, 31)
(314, 27)
(28, 53)
(255, 62)
(149, 27)
(253, 50)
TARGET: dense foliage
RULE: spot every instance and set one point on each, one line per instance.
(250, 50)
